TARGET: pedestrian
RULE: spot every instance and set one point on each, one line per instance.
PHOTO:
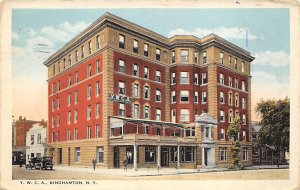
(94, 163)
(21, 160)
(125, 162)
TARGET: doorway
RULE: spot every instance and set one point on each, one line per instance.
(59, 156)
(116, 157)
(205, 156)
(165, 156)
(69, 156)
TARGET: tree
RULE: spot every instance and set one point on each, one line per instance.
(275, 122)
(232, 132)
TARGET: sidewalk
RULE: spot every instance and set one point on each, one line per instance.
(140, 172)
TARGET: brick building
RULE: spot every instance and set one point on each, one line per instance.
(118, 90)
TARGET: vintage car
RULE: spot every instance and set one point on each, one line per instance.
(46, 163)
(33, 162)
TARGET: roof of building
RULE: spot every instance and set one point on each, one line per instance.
(111, 20)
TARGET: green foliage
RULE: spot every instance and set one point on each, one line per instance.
(275, 122)
(233, 129)
(232, 132)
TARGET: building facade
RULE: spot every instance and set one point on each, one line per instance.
(120, 91)
(36, 140)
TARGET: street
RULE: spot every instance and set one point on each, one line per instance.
(262, 174)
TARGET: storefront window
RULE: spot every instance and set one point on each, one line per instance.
(129, 155)
(150, 154)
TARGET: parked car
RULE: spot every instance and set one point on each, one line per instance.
(33, 163)
(46, 163)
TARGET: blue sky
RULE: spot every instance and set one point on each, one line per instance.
(268, 41)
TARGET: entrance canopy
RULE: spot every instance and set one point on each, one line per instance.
(205, 118)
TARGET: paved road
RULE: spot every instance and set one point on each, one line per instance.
(21, 173)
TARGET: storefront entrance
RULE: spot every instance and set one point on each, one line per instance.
(116, 157)
(165, 157)
(59, 155)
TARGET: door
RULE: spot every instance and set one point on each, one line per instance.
(205, 156)
(59, 155)
(69, 156)
(164, 156)
(116, 157)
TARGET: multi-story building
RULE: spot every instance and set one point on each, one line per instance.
(118, 90)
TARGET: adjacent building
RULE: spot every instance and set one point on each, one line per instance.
(120, 91)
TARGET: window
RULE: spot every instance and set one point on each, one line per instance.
(173, 57)
(97, 88)
(187, 154)
(236, 100)
(237, 115)
(222, 134)
(222, 58)
(221, 78)
(230, 98)
(146, 112)
(82, 51)
(136, 111)
(121, 109)
(129, 155)
(150, 154)
(58, 85)
(121, 41)
(173, 78)
(184, 78)
(196, 54)
(68, 134)
(89, 71)
(69, 117)
(58, 120)
(100, 154)
(135, 46)
(184, 115)
(204, 98)
(89, 112)
(70, 60)
(173, 116)
(76, 77)
(121, 88)
(230, 116)
(184, 96)
(229, 61)
(90, 47)
(53, 122)
(121, 66)
(223, 154)
(173, 97)
(97, 66)
(77, 154)
(157, 54)
(53, 88)
(204, 59)
(196, 97)
(69, 80)
(97, 42)
(97, 110)
(75, 134)
(89, 133)
(58, 103)
(235, 63)
(245, 153)
(236, 83)
(58, 66)
(32, 139)
(158, 76)
(76, 55)
(222, 98)
(135, 70)
(146, 47)
(243, 66)
(53, 134)
(230, 81)
(174, 154)
(96, 131)
(222, 116)
(89, 92)
(158, 115)
(69, 99)
(244, 119)
(53, 105)
(146, 92)
(146, 72)
(184, 55)
(136, 90)
(75, 116)
(75, 97)
(53, 70)
(196, 78)
(204, 78)
(243, 103)
(158, 96)
(243, 86)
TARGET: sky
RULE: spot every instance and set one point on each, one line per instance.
(37, 33)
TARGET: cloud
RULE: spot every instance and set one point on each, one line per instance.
(15, 36)
(271, 58)
(64, 32)
(228, 33)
